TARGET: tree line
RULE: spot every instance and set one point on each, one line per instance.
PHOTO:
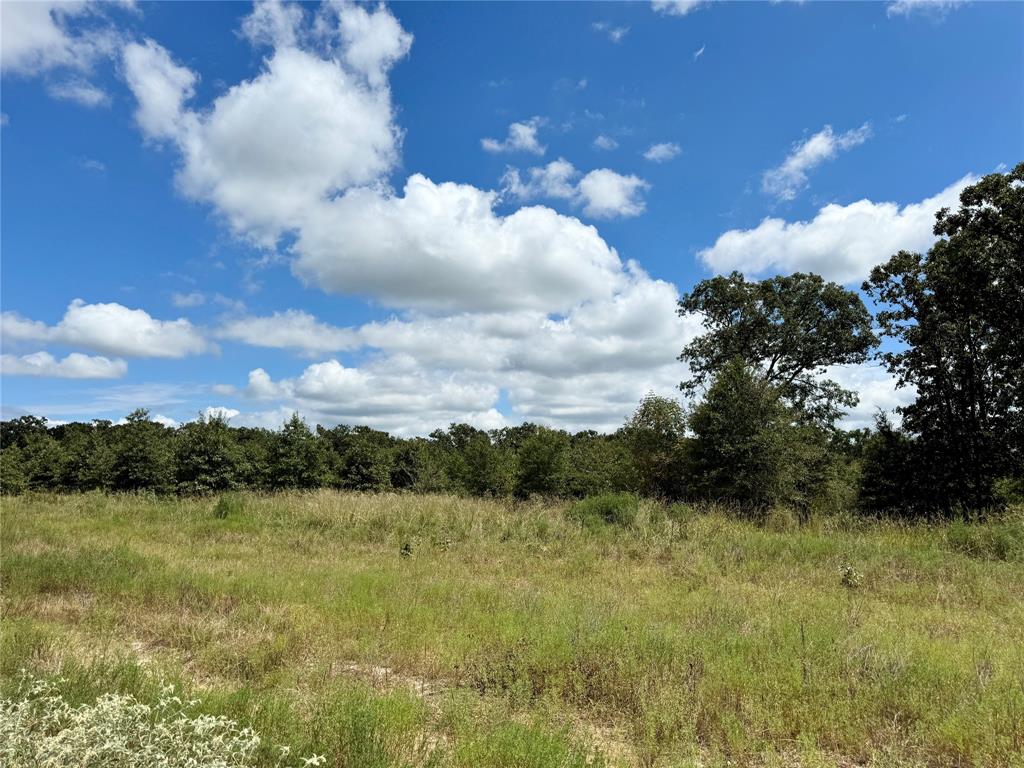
(761, 430)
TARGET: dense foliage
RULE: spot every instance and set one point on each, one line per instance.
(651, 455)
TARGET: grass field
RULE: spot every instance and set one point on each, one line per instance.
(404, 631)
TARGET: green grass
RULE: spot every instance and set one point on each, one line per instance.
(530, 634)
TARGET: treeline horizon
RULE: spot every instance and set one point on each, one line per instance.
(763, 434)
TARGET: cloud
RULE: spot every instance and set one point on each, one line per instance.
(842, 242)
(74, 366)
(935, 8)
(164, 421)
(187, 300)
(372, 42)
(218, 412)
(522, 137)
(614, 33)
(662, 153)
(676, 7)
(37, 36)
(876, 388)
(91, 164)
(291, 329)
(161, 88)
(587, 368)
(110, 329)
(402, 401)
(326, 124)
(788, 179)
(602, 193)
(441, 247)
(607, 194)
(605, 142)
(79, 91)
(42, 37)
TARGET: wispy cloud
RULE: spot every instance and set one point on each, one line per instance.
(937, 9)
(788, 179)
(614, 33)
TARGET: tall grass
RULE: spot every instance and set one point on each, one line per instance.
(526, 634)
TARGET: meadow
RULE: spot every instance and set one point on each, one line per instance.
(386, 630)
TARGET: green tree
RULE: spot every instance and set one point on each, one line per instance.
(957, 317)
(12, 474)
(787, 330)
(297, 457)
(598, 464)
(891, 472)
(654, 437)
(367, 462)
(87, 455)
(473, 463)
(142, 455)
(747, 448)
(207, 457)
(542, 463)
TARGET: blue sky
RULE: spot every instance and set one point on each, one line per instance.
(419, 213)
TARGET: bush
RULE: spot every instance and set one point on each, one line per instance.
(607, 509)
(38, 728)
(999, 540)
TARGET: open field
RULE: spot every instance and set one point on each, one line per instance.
(386, 630)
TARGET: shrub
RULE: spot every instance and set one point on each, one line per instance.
(229, 505)
(998, 540)
(608, 508)
(38, 728)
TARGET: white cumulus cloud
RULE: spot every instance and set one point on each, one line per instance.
(522, 137)
(74, 366)
(441, 247)
(110, 329)
(601, 193)
(38, 36)
(842, 242)
(326, 123)
(663, 152)
(291, 329)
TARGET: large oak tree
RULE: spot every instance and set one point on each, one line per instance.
(956, 315)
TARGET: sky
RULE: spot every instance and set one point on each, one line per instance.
(414, 214)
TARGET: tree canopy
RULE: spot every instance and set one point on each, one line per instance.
(956, 315)
(786, 329)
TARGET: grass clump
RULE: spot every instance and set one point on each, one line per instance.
(229, 505)
(606, 509)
